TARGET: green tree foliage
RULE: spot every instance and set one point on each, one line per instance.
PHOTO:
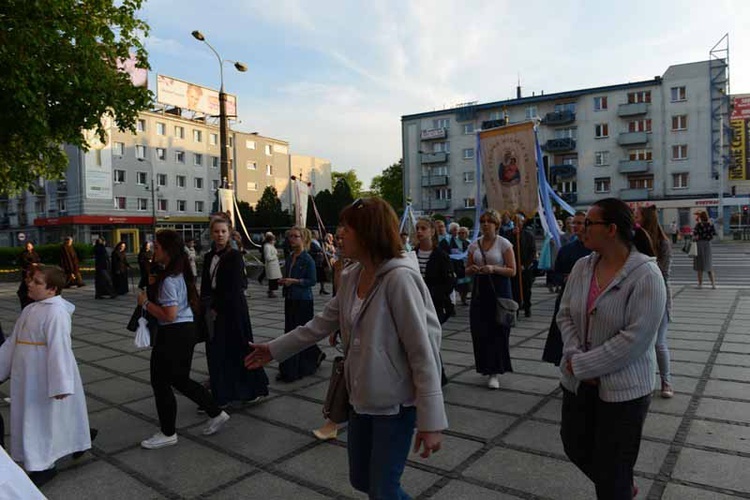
(342, 195)
(328, 209)
(268, 211)
(59, 77)
(466, 222)
(390, 185)
(350, 176)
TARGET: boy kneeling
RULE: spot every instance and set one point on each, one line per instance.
(48, 407)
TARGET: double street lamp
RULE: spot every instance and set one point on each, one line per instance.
(223, 139)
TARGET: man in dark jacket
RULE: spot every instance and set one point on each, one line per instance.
(525, 256)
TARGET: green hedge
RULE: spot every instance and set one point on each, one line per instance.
(50, 254)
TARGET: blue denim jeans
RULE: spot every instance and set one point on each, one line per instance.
(378, 446)
(662, 351)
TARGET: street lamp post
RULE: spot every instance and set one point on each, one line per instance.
(153, 195)
(223, 136)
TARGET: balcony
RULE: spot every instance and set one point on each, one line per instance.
(559, 118)
(434, 133)
(634, 194)
(562, 171)
(434, 157)
(436, 204)
(634, 166)
(632, 138)
(62, 187)
(434, 180)
(571, 198)
(634, 109)
(488, 124)
(560, 145)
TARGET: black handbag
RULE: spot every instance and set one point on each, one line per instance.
(336, 405)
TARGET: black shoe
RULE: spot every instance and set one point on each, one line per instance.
(42, 477)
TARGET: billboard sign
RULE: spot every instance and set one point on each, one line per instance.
(740, 108)
(174, 92)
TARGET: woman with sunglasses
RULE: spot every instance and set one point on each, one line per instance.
(613, 304)
(391, 338)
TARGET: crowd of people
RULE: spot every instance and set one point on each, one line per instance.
(391, 294)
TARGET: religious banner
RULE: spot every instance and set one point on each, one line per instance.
(300, 191)
(226, 202)
(508, 161)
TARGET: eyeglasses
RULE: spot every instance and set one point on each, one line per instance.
(588, 223)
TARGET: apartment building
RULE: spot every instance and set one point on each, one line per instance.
(655, 142)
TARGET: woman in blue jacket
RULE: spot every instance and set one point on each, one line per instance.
(299, 279)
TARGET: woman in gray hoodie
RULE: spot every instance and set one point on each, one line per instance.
(391, 337)
(610, 312)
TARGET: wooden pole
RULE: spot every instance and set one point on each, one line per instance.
(518, 261)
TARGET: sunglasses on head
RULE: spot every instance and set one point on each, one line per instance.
(358, 203)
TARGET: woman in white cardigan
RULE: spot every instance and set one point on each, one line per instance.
(610, 312)
(271, 262)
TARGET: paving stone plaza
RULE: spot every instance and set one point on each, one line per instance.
(501, 444)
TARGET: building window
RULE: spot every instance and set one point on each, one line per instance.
(441, 147)
(601, 130)
(468, 128)
(531, 112)
(230, 139)
(214, 162)
(161, 128)
(197, 137)
(180, 181)
(679, 122)
(468, 177)
(601, 158)
(566, 133)
(251, 165)
(120, 203)
(179, 157)
(640, 154)
(679, 152)
(443, 194)
(269, 149)
(198, 182)
(179, 132)
(214, 184)
(250, 144)
(468, 153)
(601, 185)
(161, 179)
(161, 154)
(600, 103)
(140, 151)
(441, 123)
(181, 204)
(269, 169)
(680, 181)
(640, 125)
(252, 186)
(119, 176)
(141, 178)
(469, 203)
(199, 206)
(566, 187)
(638, 97)
(119, 149)
(641, 182)
(141, 125)
(678, 94)
(197, 159)
(162, 205)
(142, 204)
(62, 205)
(496, 115)
(566, 106)
(213, 139)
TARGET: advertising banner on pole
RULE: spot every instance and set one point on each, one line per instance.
(508, 159)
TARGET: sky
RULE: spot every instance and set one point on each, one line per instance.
(334, 77)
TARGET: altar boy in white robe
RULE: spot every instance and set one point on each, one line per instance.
(48, 407)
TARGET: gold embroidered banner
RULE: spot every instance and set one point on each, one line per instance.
(508, 156)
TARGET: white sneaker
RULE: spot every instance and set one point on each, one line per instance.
(493, 382)
(159, 440)
(214, 424)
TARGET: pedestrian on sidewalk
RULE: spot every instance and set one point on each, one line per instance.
(492, 264)
(70, 264)
(649, 221)
(27, 261)
(610, 312)
(120, 268)
(391, 336)
(272, 269)
(103, 286)
(703, 233)
(145, 256)
(172, 355)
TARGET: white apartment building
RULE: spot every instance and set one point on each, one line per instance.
(653, 142)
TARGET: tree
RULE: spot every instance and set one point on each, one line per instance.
(60, 76)
(268, 212)
(342, 195)
(350, 176)
(390, 185)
